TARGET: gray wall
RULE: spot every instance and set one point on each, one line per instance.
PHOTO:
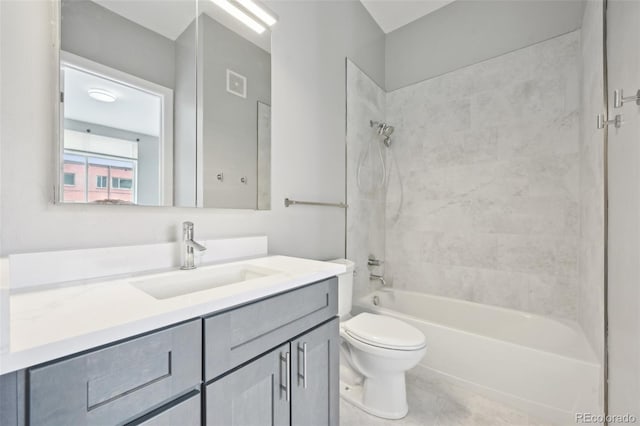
(467, 32)
(309, 45)
(230, 132)
(308, 53)
(96, 33)
(264, 156)
(184, 131)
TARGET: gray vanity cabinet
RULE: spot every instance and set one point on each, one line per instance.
(315, 376)
(255, 394)
(273, 361)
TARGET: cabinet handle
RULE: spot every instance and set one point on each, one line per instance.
(302, 376)
(286, 358)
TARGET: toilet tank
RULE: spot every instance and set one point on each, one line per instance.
(345, 287)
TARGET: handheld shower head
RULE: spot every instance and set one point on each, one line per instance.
(383, 129)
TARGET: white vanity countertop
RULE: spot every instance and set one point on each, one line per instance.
(52, 323)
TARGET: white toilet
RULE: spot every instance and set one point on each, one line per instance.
(375, 353)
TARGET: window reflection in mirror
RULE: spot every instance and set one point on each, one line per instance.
(113, 137)
(127, 71)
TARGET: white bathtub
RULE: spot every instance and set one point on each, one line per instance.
(537, 364)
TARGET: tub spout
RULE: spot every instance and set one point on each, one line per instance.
(379, 278)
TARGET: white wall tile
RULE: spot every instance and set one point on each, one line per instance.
(501, 193)
(366, 199)
(489, 159)
(591, 215)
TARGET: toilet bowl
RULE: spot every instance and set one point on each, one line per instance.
(375, 353)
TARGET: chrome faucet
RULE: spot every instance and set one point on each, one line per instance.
(379, 278)
(188, 245)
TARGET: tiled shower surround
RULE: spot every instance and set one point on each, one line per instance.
(366, 212)
(489, 161)
(591, 269)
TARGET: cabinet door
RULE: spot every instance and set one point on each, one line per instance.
(315, 375)
(257, 394)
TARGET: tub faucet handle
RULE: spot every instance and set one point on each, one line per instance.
(372, 261)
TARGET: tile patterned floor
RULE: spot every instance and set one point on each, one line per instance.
(434, 402)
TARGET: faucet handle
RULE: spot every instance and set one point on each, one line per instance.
(372, 261)
(187, 230)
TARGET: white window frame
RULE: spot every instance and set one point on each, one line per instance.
(99, 179)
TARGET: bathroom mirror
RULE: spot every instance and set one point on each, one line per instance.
(163, 103)
(234, 130)
(127, 77)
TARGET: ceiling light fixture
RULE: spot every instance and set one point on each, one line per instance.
(102, 95)
(240, 16)
(258, 11)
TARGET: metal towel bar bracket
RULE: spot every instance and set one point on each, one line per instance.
(288, 202)
(619, 99)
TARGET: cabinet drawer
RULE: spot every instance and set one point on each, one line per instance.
(234, 337)
(183, 412)
(115, 384)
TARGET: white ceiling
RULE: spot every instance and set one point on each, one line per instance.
(134, 110)
(393, 14)
(171, 17)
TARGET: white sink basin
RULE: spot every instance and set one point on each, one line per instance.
(179, 283)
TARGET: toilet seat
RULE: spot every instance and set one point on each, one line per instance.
(384, 332)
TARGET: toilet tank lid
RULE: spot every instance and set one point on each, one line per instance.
(385, 332)
(348, 263)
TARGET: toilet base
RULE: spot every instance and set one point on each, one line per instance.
(354, 394)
